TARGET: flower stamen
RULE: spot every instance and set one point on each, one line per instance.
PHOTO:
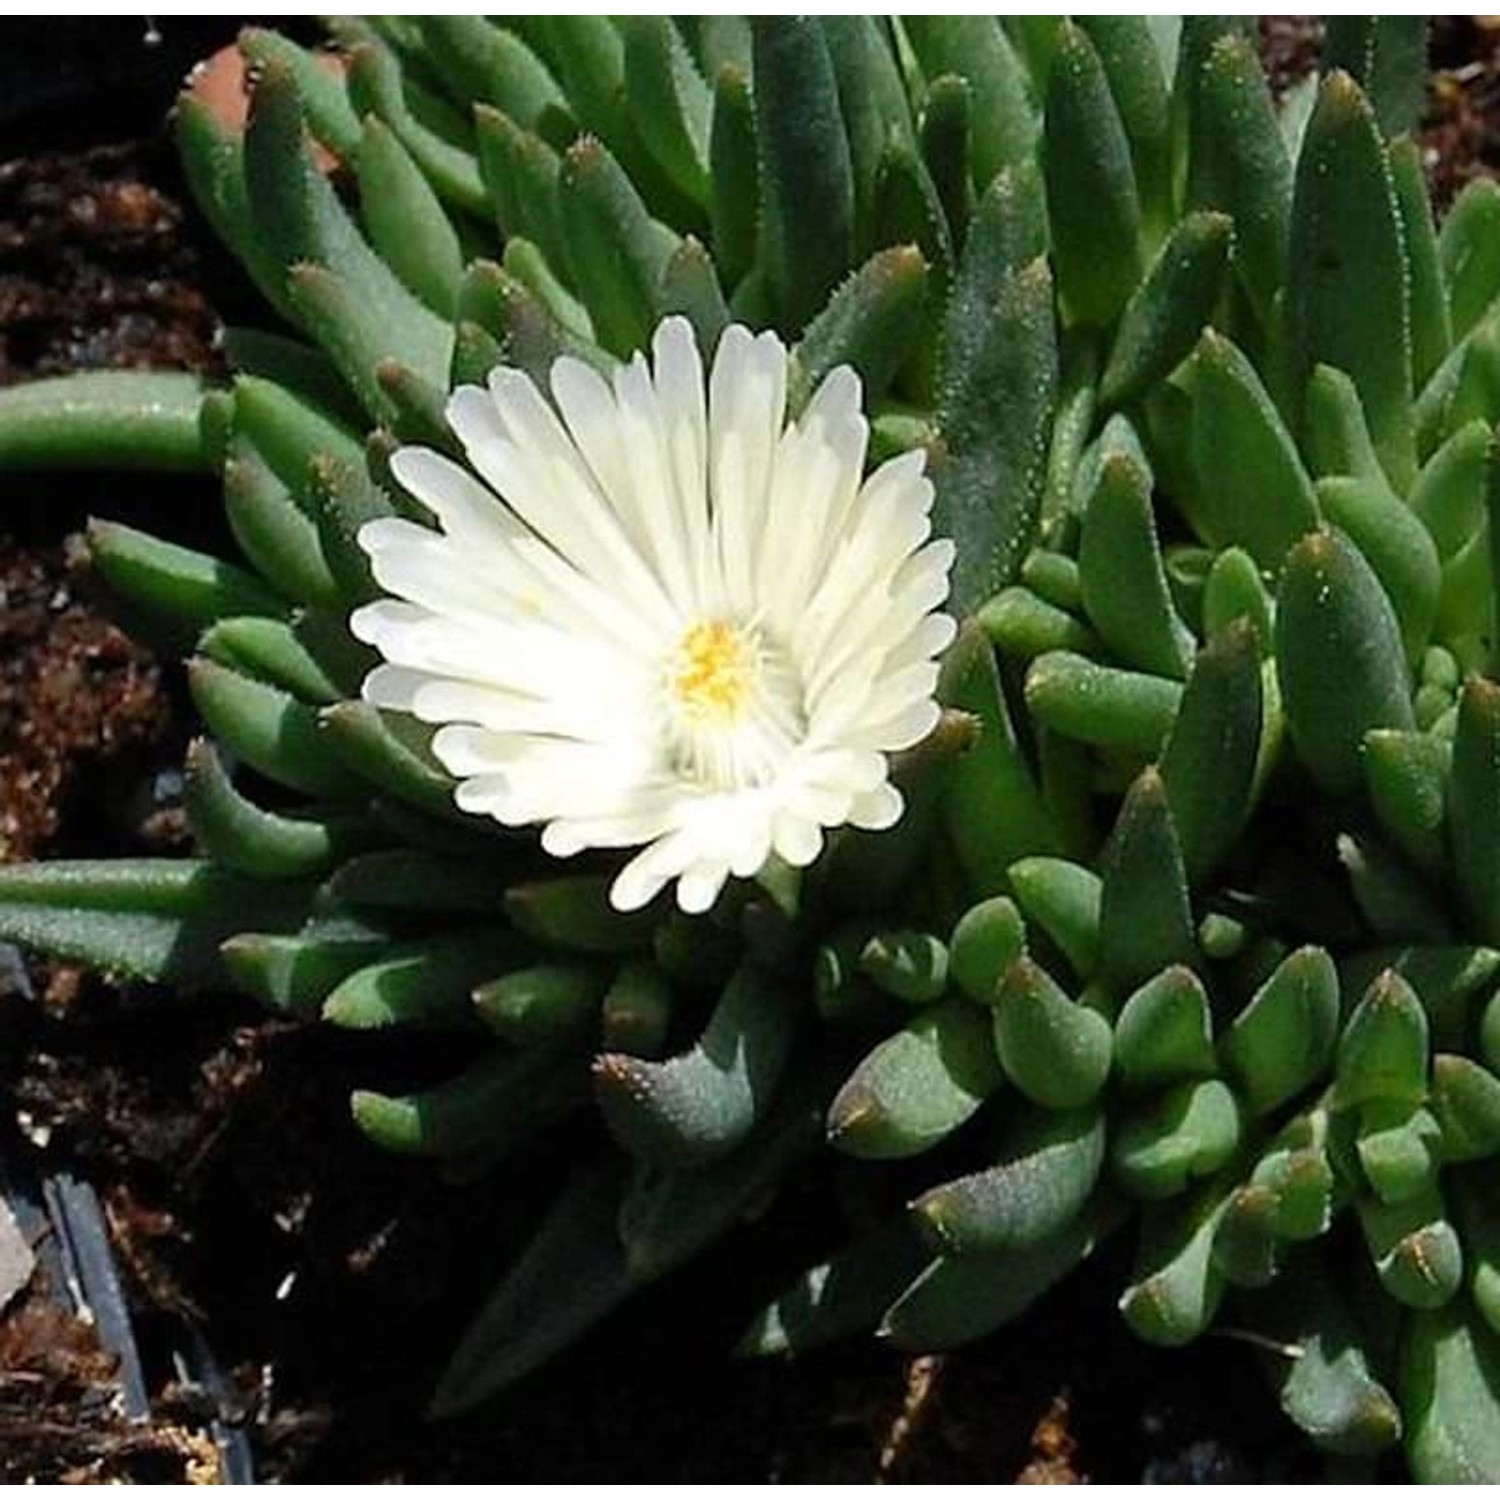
(734, 706)
(713, 673)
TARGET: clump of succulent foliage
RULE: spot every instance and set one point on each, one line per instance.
(1191, 929)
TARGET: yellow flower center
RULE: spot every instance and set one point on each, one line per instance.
(733, 703)
(714, 673)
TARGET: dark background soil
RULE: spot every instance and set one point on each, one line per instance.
(332, 1280)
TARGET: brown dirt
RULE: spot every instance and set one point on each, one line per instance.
(1289, 47)
(94, 270)
(1462, 131)
(332, 1280)
(75, 695)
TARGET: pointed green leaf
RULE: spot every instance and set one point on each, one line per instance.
(1347, 302)
(439, 140)
(1164, 1032)
(1406, 775)
(701, 1104)
(1383, 1052)
(669, 101)
(1396, 545)
(616, 250)
(1047, 1169)
(296, 210)
(869, 324)
(976, 49)
(543, 1005)
(425, 983)
(1120, 567)
(1175, 1286)
(404, 219)
(1187, 1133)
(1284, 1038)
(570, 1275)
(115, 419)
(1056, 1051)
(156, 919)
(180, 591)
(1259, 494)
(806, 176)
(238, 835)
(483, 61)
(1431, 328)
(1209, 765)
(1466, 1103)
(574, 912)
(1145, 920)
(990, 802)
(269, 729)
(734, 181)
(959, 1299)
(843, 1295)
(1063, 899)
(1416, 1250)
(1132, 63)
(1238, 163)
(1474, 806)
(918, 1085)
(989, 937)
(1092, 200)
(873, 102)
(1170, 308)
(1450, 1387)
(1102, 705)
(1340, 660)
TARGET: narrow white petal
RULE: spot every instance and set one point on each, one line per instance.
(698, 887)
(640, 881)
(525, 454)
(392, 687)
(643, 433)
(877, 809)
(798, 840)
(746, 409)
(909, 727)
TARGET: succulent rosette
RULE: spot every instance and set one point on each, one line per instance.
(656, 394)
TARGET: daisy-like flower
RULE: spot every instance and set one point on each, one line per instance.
(657, 614)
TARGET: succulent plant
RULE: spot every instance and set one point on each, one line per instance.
(1190, 930)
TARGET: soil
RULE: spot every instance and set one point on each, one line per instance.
(331, 1280)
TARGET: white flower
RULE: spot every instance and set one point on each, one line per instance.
(669, 618)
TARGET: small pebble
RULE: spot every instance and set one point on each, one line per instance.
(14, 976)
(16, 1259)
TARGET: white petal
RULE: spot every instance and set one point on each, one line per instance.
(698, 887)
(877, 809)
(798, 840)
(639, 882)
(746, 408)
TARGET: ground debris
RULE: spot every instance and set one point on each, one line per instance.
(1460, 133)
(1054, 1450)
(75, 694)
(93, 270)
(61, 1419)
